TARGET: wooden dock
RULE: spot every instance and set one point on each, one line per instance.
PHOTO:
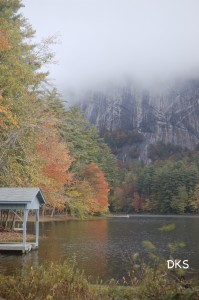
(18, 247)
(24, 199)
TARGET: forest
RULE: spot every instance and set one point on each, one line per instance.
(165, 186)
(42, 143)
(45, 144)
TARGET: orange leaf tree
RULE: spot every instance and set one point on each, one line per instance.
(100, 188)
(55, 163)
(4, 44)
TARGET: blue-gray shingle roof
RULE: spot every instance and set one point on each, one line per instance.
(20, 195)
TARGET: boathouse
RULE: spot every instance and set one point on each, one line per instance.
(21, 200)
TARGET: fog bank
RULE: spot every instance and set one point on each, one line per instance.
(110, 39)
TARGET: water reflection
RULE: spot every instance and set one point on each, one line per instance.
(102, 247)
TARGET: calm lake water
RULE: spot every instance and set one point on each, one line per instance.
(103, 247)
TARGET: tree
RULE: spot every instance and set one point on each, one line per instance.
(20, 78)
(180, 201)
(84, 143)
(36, 131)
(117, 199)
(4, 44)
(81, 200)
(195, 199)
(137, 202)
(171, 184)
(55, 161)
(100, 188)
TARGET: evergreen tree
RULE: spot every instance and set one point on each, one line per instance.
(83, 141)
(20, 77)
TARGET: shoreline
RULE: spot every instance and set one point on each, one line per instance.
(48, 218)
(59, 218)
(63, 218)
(152, 215)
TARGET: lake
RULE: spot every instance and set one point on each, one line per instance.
(103, 247)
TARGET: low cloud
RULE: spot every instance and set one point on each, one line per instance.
(109, 39)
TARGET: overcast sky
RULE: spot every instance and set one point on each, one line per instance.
(104, 39)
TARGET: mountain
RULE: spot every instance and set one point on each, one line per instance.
(161, 112)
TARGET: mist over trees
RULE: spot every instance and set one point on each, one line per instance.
(42, 144)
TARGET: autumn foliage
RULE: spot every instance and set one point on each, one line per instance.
(4, 44)
(55, 162)
(95, 177)
(7, 119)
(41, 143)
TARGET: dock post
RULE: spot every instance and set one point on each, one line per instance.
(24, 227)
(37, 226)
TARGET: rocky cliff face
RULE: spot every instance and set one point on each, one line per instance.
(161, 113)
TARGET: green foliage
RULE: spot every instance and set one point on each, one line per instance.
(121, 196)
(83, 140)
(60, 281)
(168, 228)
(148, 246)
(162, 151)
(36, 130)
(180, 201)
(55, 281)
(172, 184)
(173, 247)
(20, 77)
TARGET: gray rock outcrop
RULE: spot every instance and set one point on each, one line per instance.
(168, 113)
